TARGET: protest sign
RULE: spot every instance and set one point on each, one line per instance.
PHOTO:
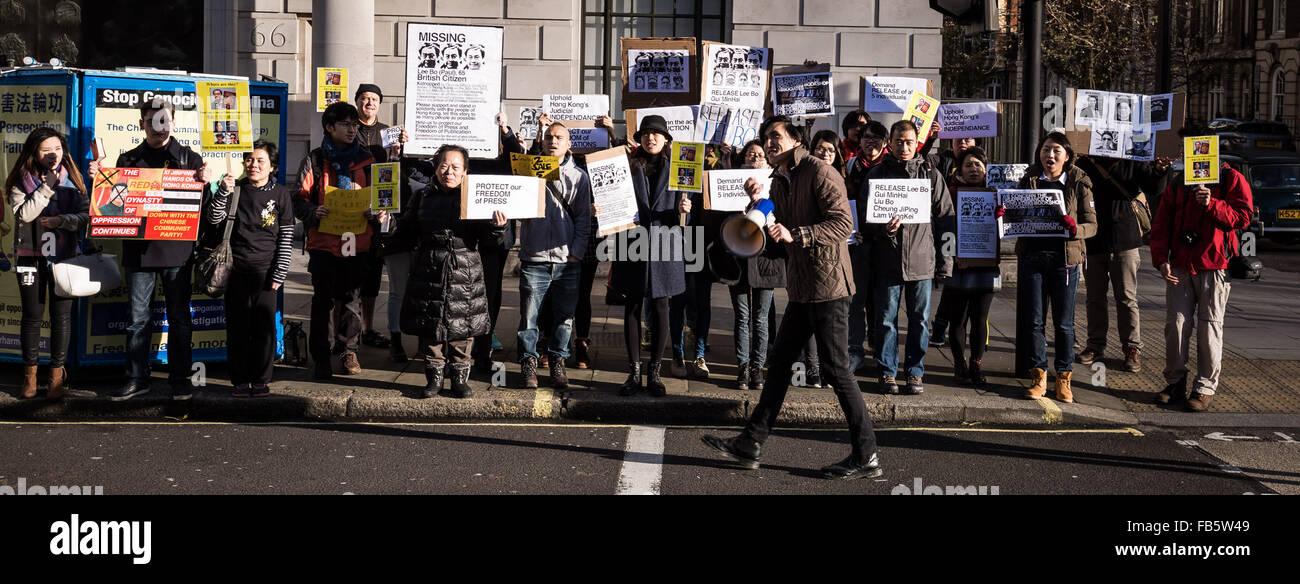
(331, 86)
(724, 190)
(347, 211)
(721, 124)
(686, 170)
(1200, 160)
(585, 136)
(391, 136)
(145, 203)
(453, 88)
(905, 198)
(612, 190)
(890, 94)
(921, 110)
(226, 123)
(519, 197)
(385, 194)
(803, 91)
(977, 225)
(1004, 176)
(1126, 125)
(544, 167)
(735, 75)
(562, 107)
(969, 120)
(657, 72)
(1031, 213)
(528, 125)
(1090, 107)
(1155, 110)
(680, 120)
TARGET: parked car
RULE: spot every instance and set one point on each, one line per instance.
(1274, 178)
(1243, 162)
(1243, 136)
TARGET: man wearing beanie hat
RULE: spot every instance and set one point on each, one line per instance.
(368, 98)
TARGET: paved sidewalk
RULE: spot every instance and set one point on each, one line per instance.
(1260, 384)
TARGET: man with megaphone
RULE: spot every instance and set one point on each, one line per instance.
(811, 225)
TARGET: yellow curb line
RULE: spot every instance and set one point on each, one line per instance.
(542, 403)
(1052, 413)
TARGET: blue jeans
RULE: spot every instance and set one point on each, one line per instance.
(888, 296)
(696, 299)
(1049, 279)
(535, 279)
(140, 285)
(751, 314)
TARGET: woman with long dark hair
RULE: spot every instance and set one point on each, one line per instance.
(48, 196)
(826, 146)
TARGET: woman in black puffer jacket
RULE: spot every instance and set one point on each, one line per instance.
(445, 304)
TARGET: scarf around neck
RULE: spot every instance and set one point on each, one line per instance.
(31, 181)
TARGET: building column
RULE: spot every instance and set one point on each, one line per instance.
(343, 35)
(219, 30)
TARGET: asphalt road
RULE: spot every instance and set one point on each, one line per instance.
(204, 458)
(1284, 258)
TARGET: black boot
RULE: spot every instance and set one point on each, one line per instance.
(633, 382)
(432, 380)
(460, 381)
(395, 351)
(653, 384)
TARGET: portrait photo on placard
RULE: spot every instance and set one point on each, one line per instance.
(1091, 107)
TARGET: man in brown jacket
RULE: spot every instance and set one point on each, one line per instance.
(811, 227)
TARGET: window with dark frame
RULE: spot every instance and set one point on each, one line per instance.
(604, 22)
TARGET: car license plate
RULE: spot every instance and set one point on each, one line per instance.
(1288, 213)
(1269, 144)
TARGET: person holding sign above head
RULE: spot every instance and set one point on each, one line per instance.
(649, 275)
(144, 262)
(1049, 266)
(260, 243)
(445, 304)
(550, 255)
(906, 258)
(812, 226)
(47, 195)
(338, 247)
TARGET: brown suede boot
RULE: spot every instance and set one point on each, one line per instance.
(1198, 402)
(58, 378)
(1039, 388)
(29, 382)
(1063, 392)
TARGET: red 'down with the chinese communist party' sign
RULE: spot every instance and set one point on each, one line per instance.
(146, 203)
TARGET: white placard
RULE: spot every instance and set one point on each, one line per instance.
(1004, 176)
(529, 127)
(890, 94)
(519, 197)
(906, 198)
(575, 107)
(1090, 107)
(1156, 110)
(611, 188)
(453, 88)
(721, 124)
(968, 120)
(1031, 213)
(1124, 109)
(680, 120)
(658, 71)
(735, 75)
(977, 225)
(726, 188)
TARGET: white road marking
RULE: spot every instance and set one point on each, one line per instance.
(643, 461)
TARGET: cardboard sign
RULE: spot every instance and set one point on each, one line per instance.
(1004, 176)
(331, 86)
(735, 75)
(969, 120)
(977, 225)
(724, 190)
(562, 107)
(1129, 142)
(385, 193)
(921, 110)
(528, 124)
(890, 94)
(453, 88)
(1031, 213)
(657, 72)
(585, 136)
(686, 170)
(543, 167)
(226, 122)
(803, 91)
(146, 203)
(909, 199)
(1145, 136)
(1200, 160)
(680, 120)
(347, 211)
(612, 190)
(519, 197)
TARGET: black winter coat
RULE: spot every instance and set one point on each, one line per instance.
(1117, 226)
(656, 208)
(446, 299)
(163, 254)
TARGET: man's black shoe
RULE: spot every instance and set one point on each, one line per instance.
(182, 390)
(846, 470)
(744, 452)
(128, 391)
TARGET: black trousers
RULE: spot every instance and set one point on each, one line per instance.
(336, 287)
(36, 291)
(250, 327)
(494, 266)
(828, 323)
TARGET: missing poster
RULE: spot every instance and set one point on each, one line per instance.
(680, 120)
(803, 91)
(724, 190)
(686, 171)
(977, 225)
(226, 122)
(735, 75)
(385, 195)
(145, 203)
(528, 123)
(519, 197)
(575, 107)
(661, 71)
(1031, 213)
(1004, 176)
(1200, 160)
(890, 94)
(612, 190)
(905, 198)
(331, 86)
(453, 88)
(968, 120)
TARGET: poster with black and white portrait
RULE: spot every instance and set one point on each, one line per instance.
(1139, 144)
(736, 75)
(453, 88)
(612, 190)
(659, 71)
(1155, 110)
(1124, 108)
(1105, 140)
(528, 123)
(1090, 107)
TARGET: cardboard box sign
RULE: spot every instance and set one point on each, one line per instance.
(659, 72)
(681, 121)
(1080, 113)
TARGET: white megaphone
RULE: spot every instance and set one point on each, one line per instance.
(744, 234)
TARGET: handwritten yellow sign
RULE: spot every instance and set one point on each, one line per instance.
(347, 211)
(545, 167)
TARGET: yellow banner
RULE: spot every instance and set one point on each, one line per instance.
(331, 86)
(921, 110)
(347, 210)
(545, 167)
(226, 123)
(385, 194)
(1200, 160)
(687, 169)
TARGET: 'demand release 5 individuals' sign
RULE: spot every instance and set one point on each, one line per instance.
(905, 198)
(519, 197)
(724, 190)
